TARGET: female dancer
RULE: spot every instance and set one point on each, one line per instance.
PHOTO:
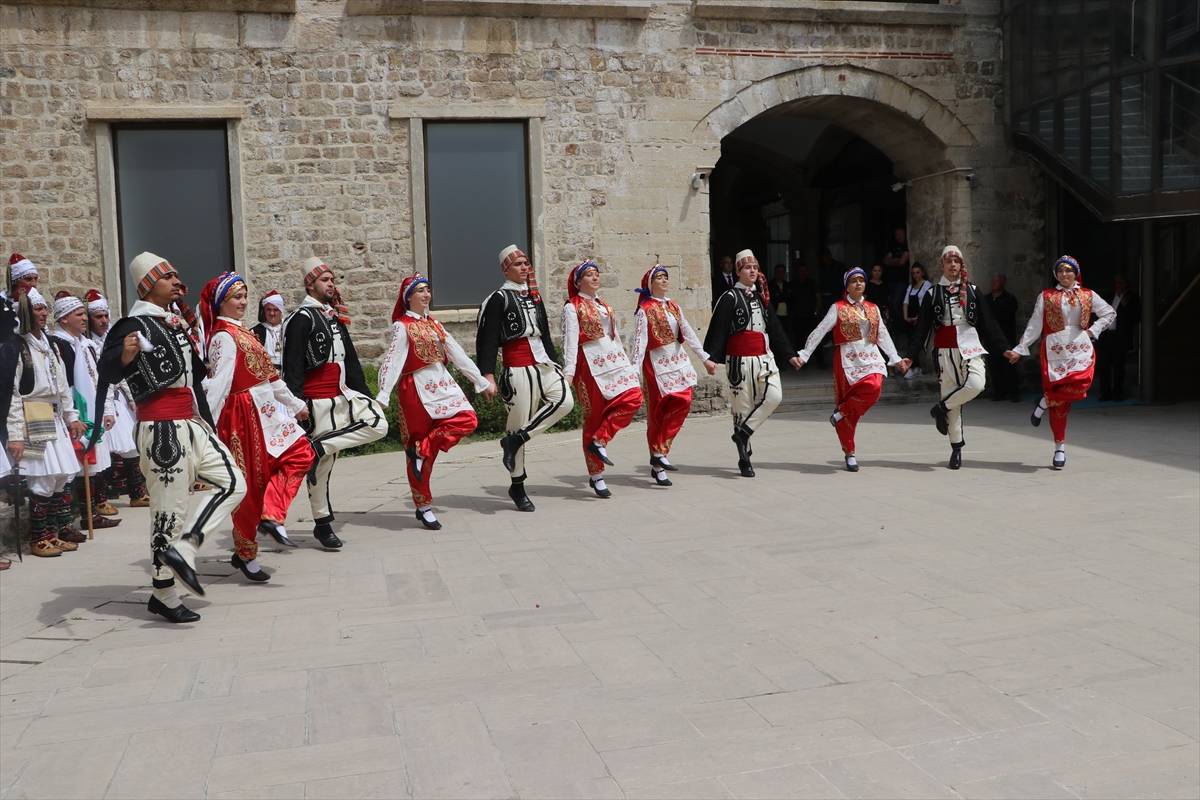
(256, 418)
(1062, 315)
(434, 413)
(42, 425)
(859, 370)
(605, 382)
(662, 330)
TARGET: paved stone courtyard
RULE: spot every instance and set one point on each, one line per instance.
(1002, 631)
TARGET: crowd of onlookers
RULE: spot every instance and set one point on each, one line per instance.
(898, 285)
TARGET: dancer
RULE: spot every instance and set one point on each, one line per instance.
(512, 321)
(80, 356)
(269, 329)
(434, 412)
(21, 275)
(743, 335)
(661, 332)
(859, 370)
(605, 382)
(42, 425)
(125, 477)
(1068, 357)
(959, 319)
(320, 366)
(256, 418)
(152, 352)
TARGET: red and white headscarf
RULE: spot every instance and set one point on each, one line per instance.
(407, 287)
(19, 266)
(745, 258)
(644, 293)
(213, 295)
(576, 275)
(95, 301)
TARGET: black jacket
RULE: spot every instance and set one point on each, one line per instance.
(308, 343)
(1004, 311)
(732, 315)
(979, 316)
(1128, 316)
(501, 320)
(720, 285)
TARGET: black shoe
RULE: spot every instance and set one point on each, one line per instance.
(594, 449)
(955, 458)
(276, 532)
(833, 421)
(509, 446)
(742, 441)
(1035, 418)
(657, 462)
(257, 577)
(179, 613)
(746, 469)
(326, 536)
(173, 560)
(605, 493)
(318, 454)
(854, 467)
(1060, 460)
(664, 480)
(938, 413)
(433, 526)
(411, 452)
(517, 493)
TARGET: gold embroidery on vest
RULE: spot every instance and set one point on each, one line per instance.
(254, 355)
(590, 326)
(660, 326)
(427, 338)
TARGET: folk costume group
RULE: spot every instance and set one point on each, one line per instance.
(250, 414)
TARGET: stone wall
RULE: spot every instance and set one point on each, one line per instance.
(632, 108)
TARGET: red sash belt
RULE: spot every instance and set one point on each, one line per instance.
(323, 382)
(746, 343)
(518, 353)
(946, 336)
(166, 405)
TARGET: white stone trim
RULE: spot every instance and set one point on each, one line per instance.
(843, 11)
(577, 9)
(246, 6)
(424, 109)
(162, 113)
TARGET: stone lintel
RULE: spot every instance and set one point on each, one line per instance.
(163, 112)
(248, 6)
(526, 109)
(586, 9)
(845, 11)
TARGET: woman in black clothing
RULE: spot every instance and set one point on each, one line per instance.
(877, 293)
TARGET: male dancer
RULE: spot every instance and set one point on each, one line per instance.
(151, 351)
(512, 321)
(320, 366)
(743, 335)
(959, 318)
(22, 275)
(126, 474)
(269, 329)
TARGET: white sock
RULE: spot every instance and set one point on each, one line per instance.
(850, 462)
(251, 565)
(837, 416)
(599, 448)
(419, 464)
(187, 549)
(598, 481)
(661, 458)
(1041, 408)
(167, 597)
(427, 513)
(659, 474)
(282, 530)
(1061, 447)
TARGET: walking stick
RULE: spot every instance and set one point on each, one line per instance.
(87, 495)
(16, 493)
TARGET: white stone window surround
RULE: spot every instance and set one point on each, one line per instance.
(578, 9)
(102, 117)
(417, 112)
(873, 12)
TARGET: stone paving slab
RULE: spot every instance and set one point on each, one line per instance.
(907, 631)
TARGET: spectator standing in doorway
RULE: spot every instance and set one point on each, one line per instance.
(781, 300)
(832, 271)
(896, 263)
(723, 279)
(877, 293)
(804, 303)
(914, 296)
(1116, 341)
(1003, 305)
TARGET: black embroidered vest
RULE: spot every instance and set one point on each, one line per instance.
(164, 365)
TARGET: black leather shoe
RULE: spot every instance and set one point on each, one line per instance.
(663, 481)
(853, 467)
(1060, 460)
(594, 449)
(605, 493)
(742, 442)
(746, 469)
(411, 452)
(833, 421)
(327, 537)
(1034, 419)
(257, 577)
(179, 613)
(172, 558)
(509, 446)
(658, 463)
(517, 493)
(955, 458)
(433, 526)
(938, 413)
(276, 532)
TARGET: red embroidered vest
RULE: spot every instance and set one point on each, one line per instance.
(590, 325)
(253, 364)
(426, 343)
(848, 328)
(658, 324)
(1052, 313)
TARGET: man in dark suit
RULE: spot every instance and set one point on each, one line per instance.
(1117, 340)
(781, 300)
(1003, 305)
(723, 279)
(805, 301)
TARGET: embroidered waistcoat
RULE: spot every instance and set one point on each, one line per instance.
(165, 364)
(426, 343)
(590, 325)
(1052, 313)
(253, 364)
(848, 328)
(319, 349)
(658, 324)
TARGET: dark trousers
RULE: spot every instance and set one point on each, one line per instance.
(1003, 376)
(1111, 353)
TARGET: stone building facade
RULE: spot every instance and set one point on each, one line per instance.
(627, 102)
